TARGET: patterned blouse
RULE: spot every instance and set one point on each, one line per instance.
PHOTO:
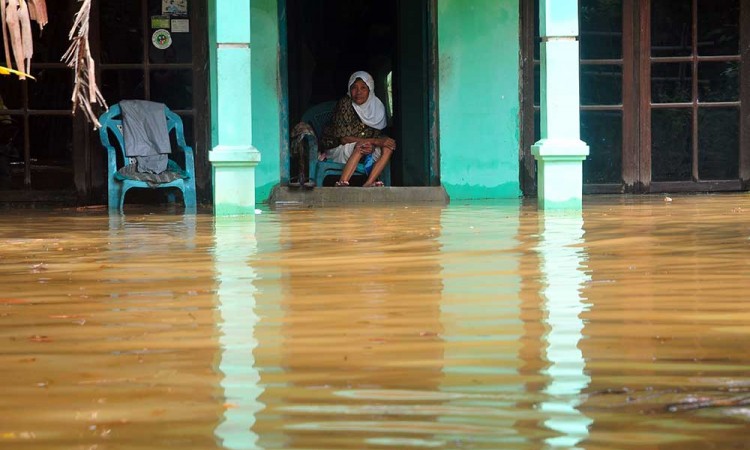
(345, 122)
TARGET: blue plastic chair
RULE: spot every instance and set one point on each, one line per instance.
(119, 184)
(318, 117)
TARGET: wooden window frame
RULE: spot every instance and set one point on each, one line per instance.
(636, 104)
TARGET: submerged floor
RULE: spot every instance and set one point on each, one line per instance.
(487, 326)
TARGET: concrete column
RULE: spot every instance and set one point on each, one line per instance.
(560, 152)
(233, 157)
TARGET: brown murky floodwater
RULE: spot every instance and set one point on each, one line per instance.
(487, 326)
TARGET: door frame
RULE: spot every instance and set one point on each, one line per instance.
(433, 141)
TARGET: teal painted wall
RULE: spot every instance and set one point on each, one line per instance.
(478, 45)
(264, 38)
(212, 76)
(264, 45)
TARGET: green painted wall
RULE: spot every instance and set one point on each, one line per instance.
(264, 44)
(212, 84)
(478, 44)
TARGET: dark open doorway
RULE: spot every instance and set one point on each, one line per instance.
(328, 40)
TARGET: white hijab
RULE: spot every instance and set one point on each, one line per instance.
(372, 111)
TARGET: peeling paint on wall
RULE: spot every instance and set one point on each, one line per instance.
(265, 85)
(479, 84)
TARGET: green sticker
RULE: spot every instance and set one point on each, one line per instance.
(159, 22)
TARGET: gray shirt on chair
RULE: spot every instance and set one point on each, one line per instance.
(144, 130)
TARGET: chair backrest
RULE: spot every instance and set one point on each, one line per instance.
(319, 115)
(111, 122)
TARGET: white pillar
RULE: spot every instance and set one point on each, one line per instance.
(560, 152)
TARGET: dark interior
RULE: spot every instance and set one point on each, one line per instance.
(331, 39)
(328, 40)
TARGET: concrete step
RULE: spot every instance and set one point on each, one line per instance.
(322, 196)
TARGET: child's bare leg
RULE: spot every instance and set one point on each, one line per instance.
(350, 167)
(377, 169)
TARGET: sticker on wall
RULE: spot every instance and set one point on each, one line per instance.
(180, 26)
(159, 22)
(174, 7)
(161, 39)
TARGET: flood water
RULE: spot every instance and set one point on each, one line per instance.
(477, 326)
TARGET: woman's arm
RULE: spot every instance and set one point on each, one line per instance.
(383, 141)
(346, 128)
(359, 140)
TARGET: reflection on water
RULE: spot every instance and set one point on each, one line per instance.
(480, 309)
(235, 247)
(480, 326)
(563, 278)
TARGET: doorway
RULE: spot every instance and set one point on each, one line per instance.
(663, 95)
(328, 40)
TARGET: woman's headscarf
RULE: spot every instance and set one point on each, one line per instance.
(372, 111)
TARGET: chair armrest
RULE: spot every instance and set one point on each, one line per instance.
(189, 159)
(312, 148)
(312, 156)
(111, 159)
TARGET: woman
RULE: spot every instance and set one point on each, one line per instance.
(354, 132)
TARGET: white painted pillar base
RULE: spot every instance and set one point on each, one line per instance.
(234, 179)
(560, 173)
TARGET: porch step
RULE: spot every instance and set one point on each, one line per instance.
(322, 196)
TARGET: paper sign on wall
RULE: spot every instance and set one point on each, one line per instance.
(174, 7)
(180, 26)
